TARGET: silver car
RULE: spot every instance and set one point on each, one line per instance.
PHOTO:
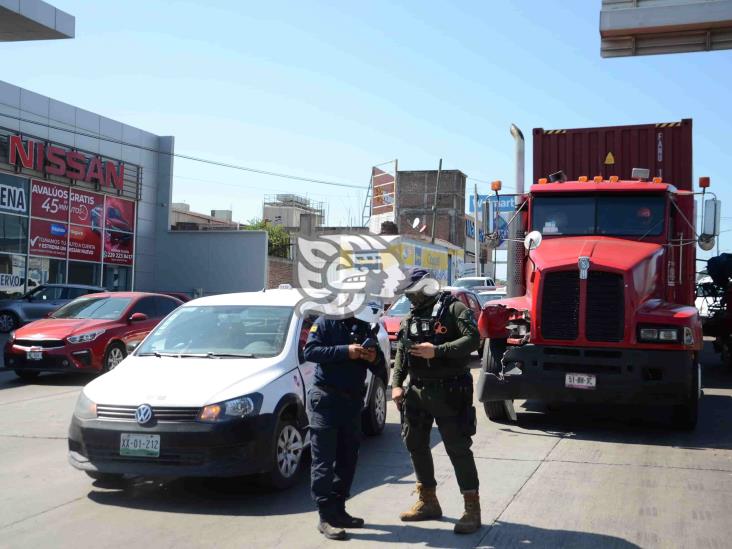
(38, 302)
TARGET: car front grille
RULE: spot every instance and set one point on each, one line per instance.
(43, 343)
(560, 305)
(605, 307)
(160, 413)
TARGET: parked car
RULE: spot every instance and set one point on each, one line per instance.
(90, 334)
(491, 295)
(38, 303)
(394, 314)
(217, 389)
(475, 283)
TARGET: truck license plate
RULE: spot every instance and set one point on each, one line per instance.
(34, 353)
(580, 381)
(139, 445)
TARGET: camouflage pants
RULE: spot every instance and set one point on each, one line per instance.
(451, 406)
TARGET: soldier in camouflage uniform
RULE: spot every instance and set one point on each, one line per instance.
(434, 344)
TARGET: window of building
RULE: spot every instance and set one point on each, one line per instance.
(12, 276)
(13, 234)
(81, 272)
(45, 270)
(117, 279)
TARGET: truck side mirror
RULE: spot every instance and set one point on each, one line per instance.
(712, 212)
(532, 240)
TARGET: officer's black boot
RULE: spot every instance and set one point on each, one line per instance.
(327, 523)
(343, 519)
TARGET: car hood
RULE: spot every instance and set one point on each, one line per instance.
(59, 328)
(194, 382)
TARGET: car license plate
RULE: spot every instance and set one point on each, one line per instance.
(580, 381)
(139, 445)
(34, 353)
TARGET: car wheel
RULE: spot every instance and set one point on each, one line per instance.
(493, 350)
(287, 454)
(373, 418)
(685, 415)
(115, 354)
(27, 375)
(8, 322)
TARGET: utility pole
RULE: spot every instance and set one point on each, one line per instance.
(434, 203)
(476, 231)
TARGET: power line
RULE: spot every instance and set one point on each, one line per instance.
(183, 156)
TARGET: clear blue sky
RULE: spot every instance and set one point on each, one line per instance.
(326, 89)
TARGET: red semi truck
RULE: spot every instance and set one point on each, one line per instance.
(606, 307)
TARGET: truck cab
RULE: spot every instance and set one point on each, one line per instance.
(608, 311)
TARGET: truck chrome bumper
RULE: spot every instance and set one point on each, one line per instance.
(622, 375)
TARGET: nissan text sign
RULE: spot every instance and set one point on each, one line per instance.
(75, 165)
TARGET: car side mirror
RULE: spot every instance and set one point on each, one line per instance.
(132, 345)
(138, 317)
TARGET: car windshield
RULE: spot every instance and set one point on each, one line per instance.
(400, 308)
(485, 298)
(102, 308)
(226, 331)
(471, 282)
(636, 215)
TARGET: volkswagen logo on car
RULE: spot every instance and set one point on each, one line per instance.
(144, 414)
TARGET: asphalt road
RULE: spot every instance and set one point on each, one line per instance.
(577, 477)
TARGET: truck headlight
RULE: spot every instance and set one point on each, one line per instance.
(658, 334)
(85, 407)
(240, 407)
(85, 338)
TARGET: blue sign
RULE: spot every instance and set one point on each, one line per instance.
(58, 230)
(501, 210)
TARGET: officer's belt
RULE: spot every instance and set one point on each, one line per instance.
(338, 391)
(420, 382)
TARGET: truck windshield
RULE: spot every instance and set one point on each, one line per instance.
(636, 215)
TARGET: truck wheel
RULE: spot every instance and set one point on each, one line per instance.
(373, 418)
(493, 350)
(287, 455)
(685, 415)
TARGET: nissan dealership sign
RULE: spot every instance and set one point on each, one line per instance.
(53, 160)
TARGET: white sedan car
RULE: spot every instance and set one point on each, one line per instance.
(217, 389)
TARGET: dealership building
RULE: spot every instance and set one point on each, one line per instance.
(87, 200)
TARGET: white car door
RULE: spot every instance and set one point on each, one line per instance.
(307, 369)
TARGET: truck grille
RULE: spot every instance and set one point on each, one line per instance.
(560, 305)
(160, 413)
(605, 307)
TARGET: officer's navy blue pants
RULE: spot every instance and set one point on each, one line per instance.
(335, 435)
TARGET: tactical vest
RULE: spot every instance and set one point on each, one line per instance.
(438, 327)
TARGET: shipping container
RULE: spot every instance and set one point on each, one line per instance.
(664, 148)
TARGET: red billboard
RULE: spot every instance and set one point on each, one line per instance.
(119, 214)
(86, 208)
(48, 238)
(118, 248)
(49, 201)
(85, 243)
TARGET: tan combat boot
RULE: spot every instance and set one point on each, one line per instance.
(470, 521)
(426, 507)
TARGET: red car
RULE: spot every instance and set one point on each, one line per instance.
(90, 334)
(400, 308)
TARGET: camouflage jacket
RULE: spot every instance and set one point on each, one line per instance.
(452, 352)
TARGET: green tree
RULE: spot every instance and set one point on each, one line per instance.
(277, 237)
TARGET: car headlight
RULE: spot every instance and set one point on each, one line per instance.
(240, 407)
(659, 334)
(85, 338)
(85, 407)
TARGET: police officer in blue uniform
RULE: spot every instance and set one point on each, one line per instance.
(343, 350)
